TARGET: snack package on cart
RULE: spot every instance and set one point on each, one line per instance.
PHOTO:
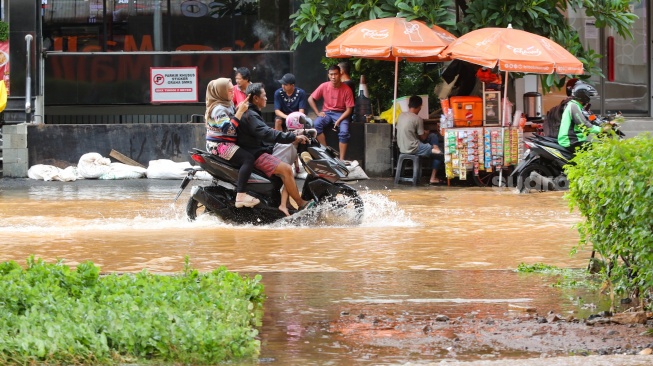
(463, 151)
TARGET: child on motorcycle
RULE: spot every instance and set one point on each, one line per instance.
(221, 123)
(295, 122)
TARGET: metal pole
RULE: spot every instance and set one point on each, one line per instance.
(503, 117)
(393, 121)
(28, 81)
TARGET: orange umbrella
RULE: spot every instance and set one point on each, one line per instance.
(513, 50)
(391, 39)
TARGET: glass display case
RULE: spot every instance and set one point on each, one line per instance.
(491, 108)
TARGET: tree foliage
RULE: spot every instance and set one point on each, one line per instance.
(326, 19)
(611, 185)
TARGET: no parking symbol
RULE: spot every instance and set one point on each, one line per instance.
(173, 85)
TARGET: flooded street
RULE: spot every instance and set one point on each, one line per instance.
(420, 252)
(129, 225)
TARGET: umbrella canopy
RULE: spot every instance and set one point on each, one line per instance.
(514, 50)
(390, 39)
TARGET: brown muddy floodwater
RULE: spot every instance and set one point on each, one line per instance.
(419, 252)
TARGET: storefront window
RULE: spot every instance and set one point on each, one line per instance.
(165, 25)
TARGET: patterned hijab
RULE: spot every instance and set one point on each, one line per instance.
(217, 93)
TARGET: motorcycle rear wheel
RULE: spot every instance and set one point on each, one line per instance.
(524, 182)
(194, 209)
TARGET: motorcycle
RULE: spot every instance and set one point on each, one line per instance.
(542, 166)
(324, 170)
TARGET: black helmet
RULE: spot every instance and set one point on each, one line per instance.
(582, 92)
(570, 85)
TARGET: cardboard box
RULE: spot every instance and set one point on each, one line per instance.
(402, 103)
(467, 111)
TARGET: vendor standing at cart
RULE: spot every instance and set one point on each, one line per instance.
(413, 139)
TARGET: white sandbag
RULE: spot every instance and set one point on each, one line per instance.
(202, 175)
(93, 165)
(356, 173)
(69, 174)
(123, 171)
(42, 172)
(50, 172)
(167, 169)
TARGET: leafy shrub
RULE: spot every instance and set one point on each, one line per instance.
(4, 31)
(611, 184)
(566, 277)
(54, 315)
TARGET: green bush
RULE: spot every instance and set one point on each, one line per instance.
(611, 184)
(4, 31)
(54, 315)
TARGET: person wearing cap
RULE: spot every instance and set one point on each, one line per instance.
(288, 99)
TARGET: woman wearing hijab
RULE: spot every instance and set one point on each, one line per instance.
(221, 123)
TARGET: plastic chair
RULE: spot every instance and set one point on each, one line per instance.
(401, 165)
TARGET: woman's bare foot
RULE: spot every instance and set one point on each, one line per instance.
(284, 209)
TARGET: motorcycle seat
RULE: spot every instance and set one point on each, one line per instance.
(553, 143)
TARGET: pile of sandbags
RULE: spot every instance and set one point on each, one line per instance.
(95, 166)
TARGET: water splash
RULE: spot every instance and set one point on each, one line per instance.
(380, 211)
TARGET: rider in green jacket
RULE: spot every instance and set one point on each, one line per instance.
(574, 126)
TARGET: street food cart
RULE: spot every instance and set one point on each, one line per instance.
(477, 144)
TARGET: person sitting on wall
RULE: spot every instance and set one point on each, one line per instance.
(242, 81)
(413, 139)
(288, 99)
(337, 107)
(271, 148)
(345, 77)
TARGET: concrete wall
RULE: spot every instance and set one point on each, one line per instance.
(378, 150)
(63, 145)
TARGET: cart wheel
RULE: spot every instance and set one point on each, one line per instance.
(484, 178)
(487, 179)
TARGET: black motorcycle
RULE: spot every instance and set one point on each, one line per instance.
(542, 166)
(324, 170)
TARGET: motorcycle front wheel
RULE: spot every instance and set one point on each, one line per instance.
(348, 205)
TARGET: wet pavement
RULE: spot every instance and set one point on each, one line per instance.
(420, 252)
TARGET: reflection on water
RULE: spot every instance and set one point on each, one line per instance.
(308, 317)
(419, 250)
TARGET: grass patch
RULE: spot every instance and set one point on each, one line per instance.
(51, 314)
(566, 277)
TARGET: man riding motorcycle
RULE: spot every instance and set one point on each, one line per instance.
(574, 126)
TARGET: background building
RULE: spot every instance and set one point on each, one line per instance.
(91, 59)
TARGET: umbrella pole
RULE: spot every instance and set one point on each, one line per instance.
(394, 114)
(503, 147)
